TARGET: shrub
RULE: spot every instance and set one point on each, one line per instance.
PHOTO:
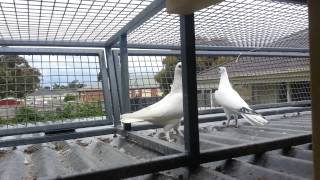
(69, 97)
(27, 114)
(81, 110)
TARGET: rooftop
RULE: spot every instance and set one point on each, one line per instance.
(260, 66)
(54, 92)
(62, 158)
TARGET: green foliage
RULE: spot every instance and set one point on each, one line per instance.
(17, 74)
(27, 114)
(70, 97)
(75, 84)
(165, 76)
(68, 111)
(81, 110)
(58, 86)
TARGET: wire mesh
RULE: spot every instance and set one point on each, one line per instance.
(261, 80)
(144, 86)
(258, 80)
(48, 89)
(59, 20)
(239, 23)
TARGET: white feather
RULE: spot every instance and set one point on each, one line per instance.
(232, 103)
(20, 65)
(167, 112)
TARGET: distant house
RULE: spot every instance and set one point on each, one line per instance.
(91, 93)
(144, 86)
(8, 107)
(46, 96)
(260, 80)
(10, 101)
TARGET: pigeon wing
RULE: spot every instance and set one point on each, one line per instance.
(170, 107)
(230, 100)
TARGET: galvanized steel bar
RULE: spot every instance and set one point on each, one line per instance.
(219, 48)
(314, 29)
(106, 87)
(113, 87)
(150, 166)
(143, 16)
(55, 137)
(218, 53)
(189, 81)
(118, 76)
(54, 127)
(49, 51)
(51, 43)
(154, 144)
(257, 147)
(124, 74)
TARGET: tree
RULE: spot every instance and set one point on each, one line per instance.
(17, 77)
(70, 97)
(58, 86)
(165, 76)
(75, 84)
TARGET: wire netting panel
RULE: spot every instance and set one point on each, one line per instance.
(59, 20)
(145, 80)
(49, 89)
(237, 23)
(258, 80)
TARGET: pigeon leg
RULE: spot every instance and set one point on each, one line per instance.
(228, 119)
(168, 137)
(236, 120)
(178, 131)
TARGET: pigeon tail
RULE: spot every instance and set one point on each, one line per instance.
(255, 119)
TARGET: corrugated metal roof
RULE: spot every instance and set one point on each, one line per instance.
(58, 159)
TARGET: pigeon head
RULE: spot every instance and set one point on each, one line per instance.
(177, 80)
(178, 66)
(222, 70)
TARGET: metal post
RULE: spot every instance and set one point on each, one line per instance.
(314, 28)
(189, 80)
(117, 65)
(114, 87)
(105, 87)
(124, 74)
(288, 92)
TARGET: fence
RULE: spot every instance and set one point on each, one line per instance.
(258, 79)
(43, 88)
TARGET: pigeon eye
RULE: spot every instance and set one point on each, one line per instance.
(179, 66)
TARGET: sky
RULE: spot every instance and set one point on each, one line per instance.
(64, 69)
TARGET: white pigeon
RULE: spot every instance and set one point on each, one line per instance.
(167, 112)
(20, 65)
(233, 104)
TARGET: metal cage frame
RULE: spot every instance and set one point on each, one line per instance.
(118, 78)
